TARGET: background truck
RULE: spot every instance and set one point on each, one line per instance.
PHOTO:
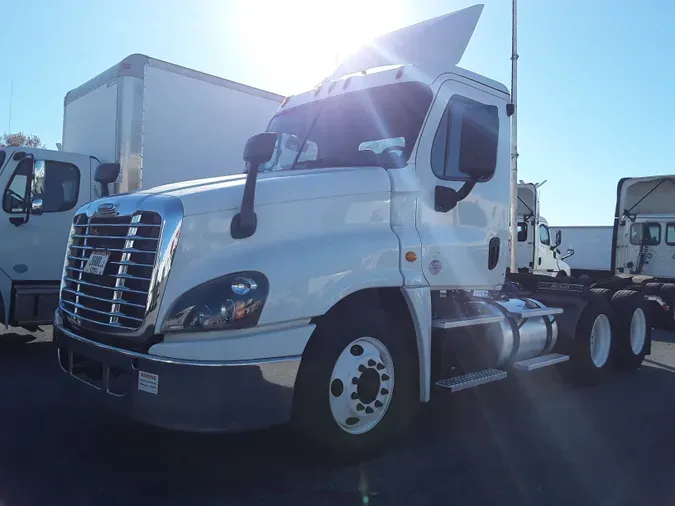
(592, 246)
(537, 249)
(355, 271)
(161, 123)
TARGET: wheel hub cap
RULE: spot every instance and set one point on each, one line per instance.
(361, 386)
(601, 340)
(638, 331)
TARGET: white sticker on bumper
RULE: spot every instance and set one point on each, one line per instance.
(148, 382)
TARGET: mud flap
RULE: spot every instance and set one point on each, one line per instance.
(5, 296)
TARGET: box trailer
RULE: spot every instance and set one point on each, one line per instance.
(592, 248)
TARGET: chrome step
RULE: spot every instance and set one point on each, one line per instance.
(473, 379)
(533, 313)
(541, 361)
(467, 321)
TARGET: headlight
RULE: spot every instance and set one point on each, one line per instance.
(234, 301)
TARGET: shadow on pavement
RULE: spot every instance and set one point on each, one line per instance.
(530, 440)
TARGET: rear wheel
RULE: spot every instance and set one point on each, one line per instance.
(358, 383)
(633, 329)
(590, 357)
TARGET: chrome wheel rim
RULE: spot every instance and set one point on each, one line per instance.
(361, 385)
(601, 340)
(638, 331)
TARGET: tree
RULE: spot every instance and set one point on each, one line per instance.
(20, 139)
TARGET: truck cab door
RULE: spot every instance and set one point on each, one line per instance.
(546, 262)
(40, 194)
(464, 242)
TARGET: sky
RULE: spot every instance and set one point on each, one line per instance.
(595, 77)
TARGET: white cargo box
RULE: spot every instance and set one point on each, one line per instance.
(164, 123)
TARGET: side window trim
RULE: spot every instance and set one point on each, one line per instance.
(548, 235)
(30, 187)
(26, 189)
(452, 144)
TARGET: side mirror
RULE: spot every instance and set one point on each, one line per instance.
(106, 173)
(260, 148)
(567, 254)
(558, 238)
(37, 206)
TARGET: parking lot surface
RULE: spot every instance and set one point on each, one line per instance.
(530, 440)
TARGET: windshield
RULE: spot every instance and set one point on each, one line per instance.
(373, 127)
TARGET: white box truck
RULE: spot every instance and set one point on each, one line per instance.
(355, 271)
(592, 247)
(156, 122)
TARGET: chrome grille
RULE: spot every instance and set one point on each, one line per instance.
(117, 298)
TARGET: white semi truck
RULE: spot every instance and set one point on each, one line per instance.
(537, 250)
(158, 122)
(356, 270)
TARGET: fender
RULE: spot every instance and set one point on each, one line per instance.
(419, 305)
(313, 255)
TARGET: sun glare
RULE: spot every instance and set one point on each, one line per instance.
(300, 41)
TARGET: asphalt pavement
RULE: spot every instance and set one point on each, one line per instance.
(530, 440)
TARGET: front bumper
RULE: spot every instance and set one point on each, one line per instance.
(180, 394)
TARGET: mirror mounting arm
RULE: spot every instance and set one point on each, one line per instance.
(245, 221)
(446, 199)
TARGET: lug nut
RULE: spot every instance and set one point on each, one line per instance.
(385, 377)
(380, 367)
(384, 391)
(355, 381)
(362, 368)
(369, 410)
(355, 395)
(360, 407)
(371, 363)
(378, 404)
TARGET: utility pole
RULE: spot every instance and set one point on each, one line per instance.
(514, 134)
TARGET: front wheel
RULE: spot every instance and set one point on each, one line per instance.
(358, 383)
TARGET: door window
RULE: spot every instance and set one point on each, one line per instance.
(653, 234)
(544, 236)
(522, 231)
(670, 234)
(467, 137)
(56, 183)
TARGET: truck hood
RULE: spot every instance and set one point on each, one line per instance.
(224, 193)
(646, 195)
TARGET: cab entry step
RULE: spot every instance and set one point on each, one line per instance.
(473, 379)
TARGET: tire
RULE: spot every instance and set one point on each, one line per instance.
(652, 288)
(605, 293)
(590, 358)
(351, 407)
(632, 332)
